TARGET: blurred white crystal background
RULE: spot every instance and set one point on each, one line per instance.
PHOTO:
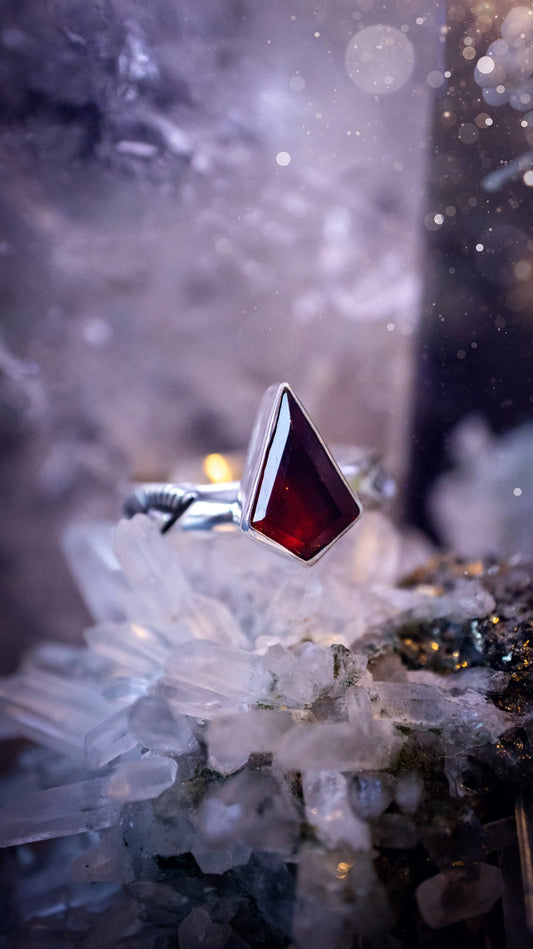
(201, 199)
(482, 507)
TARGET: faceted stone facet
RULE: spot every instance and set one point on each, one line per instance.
(301, 501)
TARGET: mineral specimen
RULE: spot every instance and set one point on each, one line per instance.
(247, 753)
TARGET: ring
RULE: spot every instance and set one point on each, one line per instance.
(293, 496)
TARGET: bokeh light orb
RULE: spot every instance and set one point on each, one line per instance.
(379, 59)
(517, 28)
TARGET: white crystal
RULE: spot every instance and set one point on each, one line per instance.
(362, 745)
(123, 690)
(474, 506)
(164, 905)
(328, 810)
(192, 700)
(197, 929)
(469, 599)
(326, 609)
(47, 889)
(479, 679)
(220, 823)
(160, 827)
(109, 861)
(476, 720)
(459, 893)
(251, 808)
(241, 578)
(299, 609)
(119, 923)
(458, 702)
(374, 606)
(316, 663)
(232, 739)
(211, 860)
(134, 647)
(204, 617)
(376, 552)
(53, 709)
(157, 727)
(290, 685)
(409, 792)
(410, 703)
(111, 738)
(371, 793)
(89, 551)
(66, 660)
(142, 779)
(349, 669)
(58, 812)
(227, 670)
(158, 585)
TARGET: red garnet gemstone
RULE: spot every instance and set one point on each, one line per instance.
(301, 501)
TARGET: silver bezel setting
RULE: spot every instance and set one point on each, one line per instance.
(260, 441)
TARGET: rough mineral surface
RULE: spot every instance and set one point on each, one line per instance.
(249, 753)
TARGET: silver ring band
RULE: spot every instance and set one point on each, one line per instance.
(294, 495)
(208, 507)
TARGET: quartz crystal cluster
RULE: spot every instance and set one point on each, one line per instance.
(249, 753)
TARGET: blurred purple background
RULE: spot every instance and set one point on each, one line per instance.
(201, 198)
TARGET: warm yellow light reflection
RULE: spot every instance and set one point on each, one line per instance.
(428, 589)
(343, 870)
(217, 469)
(435, 647)
(140, 631)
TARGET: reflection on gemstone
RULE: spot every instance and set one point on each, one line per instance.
(302, 502)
